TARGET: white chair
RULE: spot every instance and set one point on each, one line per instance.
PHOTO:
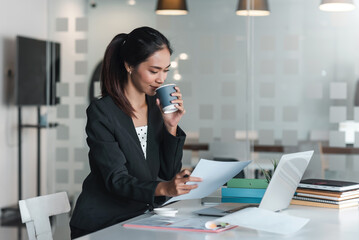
(35, 212)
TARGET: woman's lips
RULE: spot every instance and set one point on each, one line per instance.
(154, 88)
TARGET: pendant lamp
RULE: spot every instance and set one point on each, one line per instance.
(253, 8)
(337, 5)
(171, 7)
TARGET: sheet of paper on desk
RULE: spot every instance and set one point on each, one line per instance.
(214, 174)
(265, 220)
(192, 224)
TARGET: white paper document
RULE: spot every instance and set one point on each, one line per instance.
(265, 220)
(214, 174)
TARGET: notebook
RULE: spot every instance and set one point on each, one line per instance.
(331, 185)
(323, 203)
(355, 200)
(329, 195)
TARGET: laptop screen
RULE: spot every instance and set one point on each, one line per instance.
(285, 180)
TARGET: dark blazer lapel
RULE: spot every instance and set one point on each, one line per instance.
(152, 158)
(129, 127)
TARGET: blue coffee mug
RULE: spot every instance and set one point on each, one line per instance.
(164, 94)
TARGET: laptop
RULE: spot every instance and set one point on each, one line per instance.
(280, 190)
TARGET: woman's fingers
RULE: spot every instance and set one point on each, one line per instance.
(181, 179)
(186, 175)
(194, 179)
(177, 94)
(181, 192)
(183, 173)
(179, 101)
(189, 187)
(186, 190)
(186, 187)
(179, 105)
(181, 109)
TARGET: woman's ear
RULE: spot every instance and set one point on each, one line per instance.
(128, 68)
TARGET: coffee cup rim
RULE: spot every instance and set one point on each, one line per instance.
(166, 85)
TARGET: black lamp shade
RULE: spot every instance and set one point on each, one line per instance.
(171, 7)
(253, 8)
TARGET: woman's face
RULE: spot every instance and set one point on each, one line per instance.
(152, 73)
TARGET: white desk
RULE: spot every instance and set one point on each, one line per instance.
(324, 224)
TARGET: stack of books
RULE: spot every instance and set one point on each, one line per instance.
(327, 193)
(242, 190)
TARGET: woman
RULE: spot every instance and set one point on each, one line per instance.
(135, 149)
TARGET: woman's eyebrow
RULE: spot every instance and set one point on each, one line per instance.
(159, 68)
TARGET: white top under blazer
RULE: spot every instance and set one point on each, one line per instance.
(142, 136)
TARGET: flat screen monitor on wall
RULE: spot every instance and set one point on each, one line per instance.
(37, 71)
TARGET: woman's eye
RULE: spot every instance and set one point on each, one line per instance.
(166, 70)
(153, 72)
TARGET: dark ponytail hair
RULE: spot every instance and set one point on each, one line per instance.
(133, 48)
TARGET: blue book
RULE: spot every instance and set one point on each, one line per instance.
(243, 192)
(241, 200)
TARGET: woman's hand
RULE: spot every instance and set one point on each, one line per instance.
(177, 186)
(171, 120)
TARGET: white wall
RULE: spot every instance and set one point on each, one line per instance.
(67, 145)
(28, 18)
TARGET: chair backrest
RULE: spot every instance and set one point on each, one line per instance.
(35, 212)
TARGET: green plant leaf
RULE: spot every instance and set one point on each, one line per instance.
(267, 173)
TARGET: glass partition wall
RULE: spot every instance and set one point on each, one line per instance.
(254, 87)
(305, 84)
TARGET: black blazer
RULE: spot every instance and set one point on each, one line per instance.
(122, 182)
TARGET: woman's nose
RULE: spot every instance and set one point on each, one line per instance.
(161, 78)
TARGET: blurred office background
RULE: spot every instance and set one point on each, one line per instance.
(254, 87)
